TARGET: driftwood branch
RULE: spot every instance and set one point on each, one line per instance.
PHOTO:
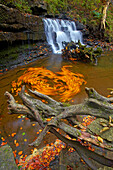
(95, 105)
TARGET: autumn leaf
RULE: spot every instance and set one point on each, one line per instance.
(65, 83)
(100, 139)
(17, 144)
(13, 134)
(16, 160)
(15, 141)
(20, 153)
(25, 140)
(104, 129)
(23, 133)
(3, 143)
(14, 154)
(40, 130)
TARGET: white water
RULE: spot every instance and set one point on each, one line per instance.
(57, 31)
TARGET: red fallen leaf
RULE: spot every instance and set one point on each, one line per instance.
(25, 156)
(37, 162)
(17, 144)
(82, 161)
(13, 134)
(3, 143)
(35, 138)
(31, 166)
(20, 153)
(16, 160)
(14, 154)
(48, 119)
(2, 139)
(47, 145)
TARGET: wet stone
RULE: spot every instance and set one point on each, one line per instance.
(7, 161)
(95, 127)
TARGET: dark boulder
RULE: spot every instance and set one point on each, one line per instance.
(38, 7)
(79, 25)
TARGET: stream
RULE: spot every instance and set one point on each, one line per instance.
(99, 77)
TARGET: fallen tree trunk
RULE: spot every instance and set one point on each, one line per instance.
(95, 105)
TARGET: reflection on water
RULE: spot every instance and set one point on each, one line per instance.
(100, 77)
(54, 63)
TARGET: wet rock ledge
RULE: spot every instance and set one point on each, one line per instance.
(17, 26)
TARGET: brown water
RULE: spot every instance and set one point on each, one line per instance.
(99, 77)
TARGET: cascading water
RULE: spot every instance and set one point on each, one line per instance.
(57, 31)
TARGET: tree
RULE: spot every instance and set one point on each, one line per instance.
(94, 105)
(105, 4)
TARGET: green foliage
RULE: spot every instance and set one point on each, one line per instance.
(22, 5)
(84, 21)
(109, 23)
(56, 6)
(96, 14)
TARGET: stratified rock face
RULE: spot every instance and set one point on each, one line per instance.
(7, 159)
(17, 26)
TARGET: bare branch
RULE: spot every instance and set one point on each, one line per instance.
(47, 98)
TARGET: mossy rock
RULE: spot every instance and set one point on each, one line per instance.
(7, 161)
(95, 127)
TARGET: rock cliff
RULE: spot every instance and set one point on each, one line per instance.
(18, 26)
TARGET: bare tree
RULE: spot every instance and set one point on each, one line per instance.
(104, 13)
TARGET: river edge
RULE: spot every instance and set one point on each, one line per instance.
(27, 53)
(22, 54)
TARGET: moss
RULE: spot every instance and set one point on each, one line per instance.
(12, 53)
(66, 104)
(78, 133)
(7, 158)
(3, 16)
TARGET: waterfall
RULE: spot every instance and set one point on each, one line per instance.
(57, 31)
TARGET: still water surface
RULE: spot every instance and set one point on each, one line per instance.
(99, 77)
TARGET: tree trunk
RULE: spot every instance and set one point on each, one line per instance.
(104, 13)
(95, 105)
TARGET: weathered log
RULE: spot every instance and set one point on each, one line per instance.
(84, 153)
(93, 94)
(95, 105)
